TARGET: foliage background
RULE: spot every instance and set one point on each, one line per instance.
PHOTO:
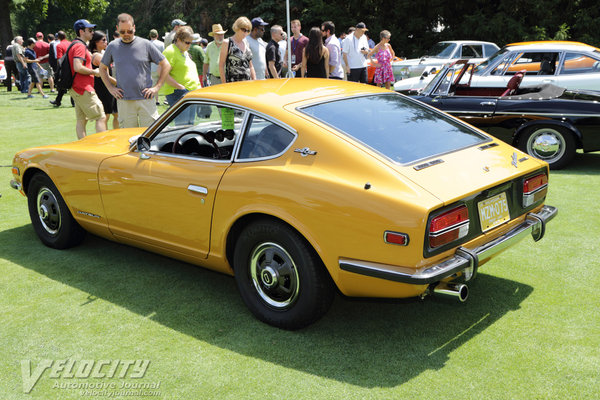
(414, 25)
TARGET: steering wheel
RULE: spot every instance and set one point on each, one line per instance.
(176, 144)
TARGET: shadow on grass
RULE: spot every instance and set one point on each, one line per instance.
(582, 164)
(367, 343)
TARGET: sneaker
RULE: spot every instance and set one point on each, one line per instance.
(30, 96)
(53, 91)
(45, 96)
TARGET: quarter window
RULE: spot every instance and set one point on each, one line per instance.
(577, 63)
(264, 139)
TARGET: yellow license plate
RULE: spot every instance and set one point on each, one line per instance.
(493, 212)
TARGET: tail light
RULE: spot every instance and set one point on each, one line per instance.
(534, 189)
(449, 226)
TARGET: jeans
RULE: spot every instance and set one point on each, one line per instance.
(23, 78)
(186, 117)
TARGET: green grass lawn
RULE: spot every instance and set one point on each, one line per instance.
(530, 330)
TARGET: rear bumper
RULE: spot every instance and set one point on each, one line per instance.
(15, 185)
(534, 225)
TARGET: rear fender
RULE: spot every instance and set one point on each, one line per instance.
(561, 124)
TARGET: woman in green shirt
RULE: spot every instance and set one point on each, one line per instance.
(183, 76)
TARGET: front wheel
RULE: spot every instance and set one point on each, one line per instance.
(554, 145)
(280, 277)
(50, 216)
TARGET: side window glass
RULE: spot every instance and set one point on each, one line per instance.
(264, 139)
(577, 63)
(499, 69)
(471, 51)
(535, 63)
(445, 82)
(489, 50)
(200, 130)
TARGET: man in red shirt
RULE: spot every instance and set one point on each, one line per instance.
(61, 48)
(87, 104)
(42, 51)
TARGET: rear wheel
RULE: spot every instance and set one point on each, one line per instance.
(50, 216)
(554, 145)
(280, 277)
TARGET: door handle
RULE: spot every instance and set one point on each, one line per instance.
(198, 189)
(487, 103)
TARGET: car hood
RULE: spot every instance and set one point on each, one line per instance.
(469, 171)
(111, 142)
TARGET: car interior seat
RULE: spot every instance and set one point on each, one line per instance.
(546, 68)
(513, 83)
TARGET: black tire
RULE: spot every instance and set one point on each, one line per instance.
(50, 216)
(555, 145)
(280, 277)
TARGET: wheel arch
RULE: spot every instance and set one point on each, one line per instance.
(553, 123)
(238, 226)
(29, 174)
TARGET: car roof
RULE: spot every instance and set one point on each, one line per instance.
(551, 45)
(271, 95)
(468, 42)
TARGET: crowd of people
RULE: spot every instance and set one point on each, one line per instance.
(124, 78)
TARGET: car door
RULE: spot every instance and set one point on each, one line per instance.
(164, 197)
(540, 67)
(476, 110)
(579, 70)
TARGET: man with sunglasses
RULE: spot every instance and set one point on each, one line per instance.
(132, 57)
(88, 106)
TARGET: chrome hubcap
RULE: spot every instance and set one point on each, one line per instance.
(546, 144)
(48, 211)
(274, 275)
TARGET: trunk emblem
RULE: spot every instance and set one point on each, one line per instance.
(514, 160)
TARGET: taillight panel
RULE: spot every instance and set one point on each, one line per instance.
(534, 189)
(449, 226)
(523, 194)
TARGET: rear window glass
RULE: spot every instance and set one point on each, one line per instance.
(397, 127)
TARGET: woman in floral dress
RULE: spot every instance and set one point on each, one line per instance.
(384, 55)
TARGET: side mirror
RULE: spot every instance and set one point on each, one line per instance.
(143, 146)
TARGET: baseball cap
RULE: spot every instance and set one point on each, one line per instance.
(361, 25)
(258, 21)
(153, 33)
(82, 24)
(39, 34)
(196, 38)
(176, 22)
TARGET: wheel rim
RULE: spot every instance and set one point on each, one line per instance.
(546, 144)
(48, 211)
(274, 275)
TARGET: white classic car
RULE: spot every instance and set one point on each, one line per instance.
(441, 54)
(571, 65)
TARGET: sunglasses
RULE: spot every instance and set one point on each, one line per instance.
(103, 39)
(245, 30)
(188, 43)
(128, 31)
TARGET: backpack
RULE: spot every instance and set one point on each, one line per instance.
(52, 55)
(64, 75)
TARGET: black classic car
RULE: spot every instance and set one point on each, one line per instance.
(547, 122)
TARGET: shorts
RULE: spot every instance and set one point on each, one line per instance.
(136, 113)
(87, 106)
(48, 69)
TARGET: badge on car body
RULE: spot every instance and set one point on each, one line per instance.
(515, 160)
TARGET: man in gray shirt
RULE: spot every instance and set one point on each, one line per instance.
(132, 56)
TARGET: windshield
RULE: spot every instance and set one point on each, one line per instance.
(500, 54)
(399, 128)
(441, 50)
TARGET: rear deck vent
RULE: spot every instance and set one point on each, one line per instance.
(428, 164)
(488, 146)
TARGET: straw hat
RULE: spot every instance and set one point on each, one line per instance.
(217, 28)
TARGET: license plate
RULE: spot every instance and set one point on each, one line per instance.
(493, 212)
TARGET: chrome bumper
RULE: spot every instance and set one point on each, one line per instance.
(534, 225)
(15, 185)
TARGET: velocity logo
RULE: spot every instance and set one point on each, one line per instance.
(81, 369)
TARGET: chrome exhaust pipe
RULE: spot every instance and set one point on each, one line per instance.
(459, 291)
